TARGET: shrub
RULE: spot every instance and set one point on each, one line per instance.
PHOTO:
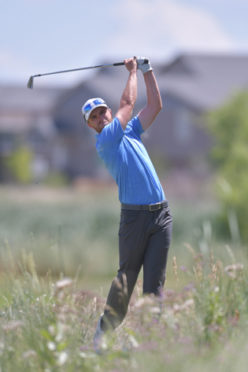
(229, 124)
(19, 165)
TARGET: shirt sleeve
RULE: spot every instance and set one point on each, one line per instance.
(135, 127)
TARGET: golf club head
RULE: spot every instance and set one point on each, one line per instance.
(30, 83)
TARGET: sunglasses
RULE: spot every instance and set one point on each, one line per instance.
(88, 107)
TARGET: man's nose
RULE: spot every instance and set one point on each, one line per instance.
(101, 117)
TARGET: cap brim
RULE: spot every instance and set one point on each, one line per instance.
(87, 115)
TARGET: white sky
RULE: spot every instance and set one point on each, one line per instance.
(38, 36)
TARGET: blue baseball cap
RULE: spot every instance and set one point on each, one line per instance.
(90, 105)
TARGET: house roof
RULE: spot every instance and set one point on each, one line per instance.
(20, 99)
(22, 108)
(202, 81)
(205, 81)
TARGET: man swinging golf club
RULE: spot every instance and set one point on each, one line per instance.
(146, 223)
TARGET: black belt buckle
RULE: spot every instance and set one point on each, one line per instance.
(154, 207)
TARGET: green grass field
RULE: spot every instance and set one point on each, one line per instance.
(58, 255)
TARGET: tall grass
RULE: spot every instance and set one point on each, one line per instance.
(58, 253)
(48, 325)
(66, 231)
(69, 231)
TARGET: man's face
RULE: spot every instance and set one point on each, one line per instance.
(100, 117)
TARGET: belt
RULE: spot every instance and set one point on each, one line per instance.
(147, 207)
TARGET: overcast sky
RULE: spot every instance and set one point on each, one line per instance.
(39, 36)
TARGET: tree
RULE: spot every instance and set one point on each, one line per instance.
(19, 165)
(229, 124)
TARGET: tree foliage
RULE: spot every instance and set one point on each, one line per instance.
(229, 124)
(19, 164)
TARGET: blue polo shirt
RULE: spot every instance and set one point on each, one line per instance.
(128, 162)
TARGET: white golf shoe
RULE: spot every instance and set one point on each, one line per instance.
(99, 340)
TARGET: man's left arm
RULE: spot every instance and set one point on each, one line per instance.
(154, 103)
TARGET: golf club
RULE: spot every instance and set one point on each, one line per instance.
(30, 83)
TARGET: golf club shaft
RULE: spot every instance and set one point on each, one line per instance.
(31, 79)
(80, 68)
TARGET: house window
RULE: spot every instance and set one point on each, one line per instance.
(183, 126)
(6, 143)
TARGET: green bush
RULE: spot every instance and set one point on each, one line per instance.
(229, 124)
(19, 165)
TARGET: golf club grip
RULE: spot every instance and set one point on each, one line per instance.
(118, 64)
(122, 63)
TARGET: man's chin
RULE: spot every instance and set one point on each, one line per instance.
(104, 124)
(100, 128)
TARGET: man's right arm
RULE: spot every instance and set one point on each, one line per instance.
(129, 94)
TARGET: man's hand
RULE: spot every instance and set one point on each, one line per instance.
(142, 66)
(131, 64)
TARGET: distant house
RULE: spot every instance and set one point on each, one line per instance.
(26, 119)
(190, 85)
(49, 120)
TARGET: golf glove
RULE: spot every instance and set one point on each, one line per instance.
(142, 66)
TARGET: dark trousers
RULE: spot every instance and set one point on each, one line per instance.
(144, 239)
